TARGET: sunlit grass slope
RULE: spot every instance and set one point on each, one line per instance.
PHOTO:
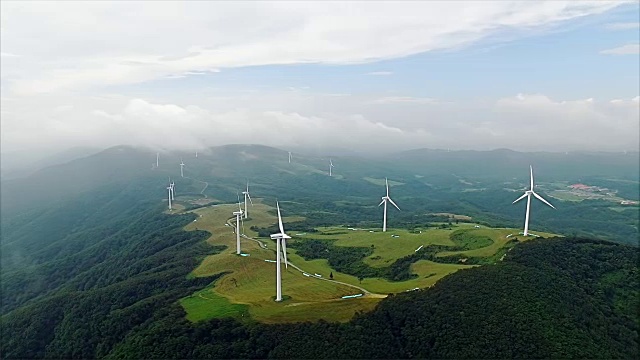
(248, 288)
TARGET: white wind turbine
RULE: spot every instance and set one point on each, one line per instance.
(528, 194)
(157, 159)
(170, 190)
(181, 167)
(246, 195)
(173, 189)
(238, 215)
(289, 157)
(330, 166)
(196, 154)
(280, 237)
(386, 199)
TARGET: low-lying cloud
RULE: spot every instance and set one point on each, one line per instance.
(521, 122)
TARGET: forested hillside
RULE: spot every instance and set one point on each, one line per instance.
(554, 298)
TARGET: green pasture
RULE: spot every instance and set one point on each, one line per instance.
(248, 288)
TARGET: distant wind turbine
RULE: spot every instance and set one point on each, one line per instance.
(173, 190)
(238, 215)
(169, 188)
(528, 194)
(181, 167)
(196, 154)
(157, 159)
(289, 157)
(280, 237)
(386, 199)
(330, 166)
(246, 195)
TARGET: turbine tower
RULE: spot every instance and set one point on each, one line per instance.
(169, 188)
(330, 166)
(386, 199)
(528, 194)
(157, 159)
(196, 154)
(238, 215)
(280, 237)
(246, 195)
(181, 167)
(172, 187)
(289, 157)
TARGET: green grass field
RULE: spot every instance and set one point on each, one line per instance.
(248, 288)
(381, 182)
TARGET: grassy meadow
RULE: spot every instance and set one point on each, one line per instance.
(248, 287)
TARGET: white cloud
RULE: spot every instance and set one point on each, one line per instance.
(80, 45)
(623, 26)
(541, 122)
(380, 73)
(629, 49)
(524, 122)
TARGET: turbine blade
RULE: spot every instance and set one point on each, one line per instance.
(543, 200)
(284, 252)
(520, 198)
(249, 196)
(387, 184)
(279, 219)
(382, 202)
(394, 204)
(531, 169)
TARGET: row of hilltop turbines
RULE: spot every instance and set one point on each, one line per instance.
(281, 237)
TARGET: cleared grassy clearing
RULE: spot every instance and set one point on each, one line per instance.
(206, 304)
(499, 237)
(251, 279)
(381, 182)
(249, 286)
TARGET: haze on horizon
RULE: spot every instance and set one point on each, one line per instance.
(375, 77)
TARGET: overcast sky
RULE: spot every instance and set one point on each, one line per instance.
(524, 75)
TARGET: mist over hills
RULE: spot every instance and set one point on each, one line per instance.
(481, 184)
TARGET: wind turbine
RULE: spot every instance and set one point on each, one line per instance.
(289, 157)
(528, 194)
(157, 159)
(172, 187)
(169, 188)
(181, 167)
(196, 154)
(386, 199)
(330, 166)
(246, 195)
(238, 215)
(280, 237)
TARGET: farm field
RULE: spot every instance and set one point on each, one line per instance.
(248, 287)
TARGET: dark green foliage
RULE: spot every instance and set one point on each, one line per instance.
(344, 259)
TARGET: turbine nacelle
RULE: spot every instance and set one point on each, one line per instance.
(280, 236)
